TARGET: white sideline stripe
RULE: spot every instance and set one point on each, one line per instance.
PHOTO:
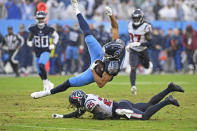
(59, 128)
(147, 83)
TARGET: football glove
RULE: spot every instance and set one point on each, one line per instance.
(132, 44)
(93, 65)
(51, 47)
(108, 11)
(57, 116)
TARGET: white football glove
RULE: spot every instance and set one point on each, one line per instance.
(108, 11)
(57, 116)
(93, 65)
(51, 47)
(132, 44)
(29, 43)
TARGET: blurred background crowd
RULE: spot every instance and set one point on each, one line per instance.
(181, 10)
(171, 51)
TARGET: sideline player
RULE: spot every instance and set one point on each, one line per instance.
(104, 108)
(40, 34)
(140, 36)
(110, 58)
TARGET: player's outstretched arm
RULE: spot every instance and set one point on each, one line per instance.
(75, 114)
(114, 23)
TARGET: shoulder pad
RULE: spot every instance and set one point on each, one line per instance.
(30, 28)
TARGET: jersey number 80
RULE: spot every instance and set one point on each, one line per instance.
(41, 41)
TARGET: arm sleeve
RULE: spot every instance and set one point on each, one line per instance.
(76, 114)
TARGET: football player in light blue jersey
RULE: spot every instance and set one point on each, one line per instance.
(104, 63)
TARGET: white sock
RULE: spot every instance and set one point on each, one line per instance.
(77, 11)
(45, 81)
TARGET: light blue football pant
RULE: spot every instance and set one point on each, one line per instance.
(96, 52)
(44, 57)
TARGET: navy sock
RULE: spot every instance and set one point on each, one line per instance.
(83, 25)
(61, 87)
(133, 77)
(43, 71)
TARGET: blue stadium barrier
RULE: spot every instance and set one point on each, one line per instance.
(164, 25)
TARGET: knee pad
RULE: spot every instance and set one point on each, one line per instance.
(41, 66)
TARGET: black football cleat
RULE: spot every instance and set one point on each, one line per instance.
(175, 87)
(170, 99)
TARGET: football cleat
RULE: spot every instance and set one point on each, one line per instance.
(134, 90)
(170, 99)
(175, 87)
(125, 112)
(50, 85)
(75, 6)
(40, 94)
(57, 116)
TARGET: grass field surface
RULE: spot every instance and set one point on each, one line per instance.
(19, 112)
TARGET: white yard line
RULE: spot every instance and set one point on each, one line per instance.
(55, 128)
(147, 83)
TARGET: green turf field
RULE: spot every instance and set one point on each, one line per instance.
(18, 111)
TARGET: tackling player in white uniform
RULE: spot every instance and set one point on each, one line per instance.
(140, 36)
(104, 108)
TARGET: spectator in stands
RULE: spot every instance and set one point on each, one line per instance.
(103, 36)
(3, 11)
(147, 8)
(27, 9)
(60, 49)
(169, 65)
(179, 11)
(2, 41)
(13, 10)
(177, 46)
(125, 9)
(190, 44)
(156, 47)
(72, 51)
(25, 53)
(168, 12)
(156, 8)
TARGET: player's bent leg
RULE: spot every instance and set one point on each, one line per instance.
(44, 57)
(171, 87)
(94, 48)
(155, 108)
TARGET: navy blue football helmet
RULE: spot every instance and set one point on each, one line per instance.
(40, 19)
(77, 98)
(137, 17)
(114, 49)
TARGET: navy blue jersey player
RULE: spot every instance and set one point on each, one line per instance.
(39, 38)
(103, 108)
(104, 63)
